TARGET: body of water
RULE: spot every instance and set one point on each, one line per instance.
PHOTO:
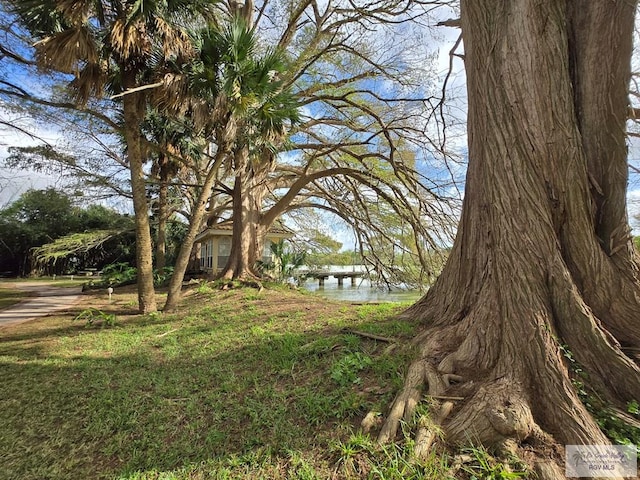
(362, 291)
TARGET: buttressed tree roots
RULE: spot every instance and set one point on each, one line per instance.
(543, 265)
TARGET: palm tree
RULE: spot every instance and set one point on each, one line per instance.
(176, 149)
(264, 111)
(115, 46)
(242, 105)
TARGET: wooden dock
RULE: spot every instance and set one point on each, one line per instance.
(322, 276)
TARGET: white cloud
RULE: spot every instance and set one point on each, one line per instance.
(13, 134)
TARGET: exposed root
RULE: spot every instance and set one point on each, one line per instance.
(372, 336)
(548, 470)
(497, 412)
(458, 462)
(429, 428)
(511, 380)
(371, 421)
(405, 402)
(593, 346)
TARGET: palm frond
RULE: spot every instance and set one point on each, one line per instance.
(89, 83)
(129, 39)
(174, 41)
(76, 12)
(40, 17)
(174, 93)
(63, 50)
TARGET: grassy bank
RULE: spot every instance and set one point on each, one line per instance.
(238, 384)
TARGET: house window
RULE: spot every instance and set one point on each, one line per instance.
(206, 255)
(224, 250)
(266, 252)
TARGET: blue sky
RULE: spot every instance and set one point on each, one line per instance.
(12, 183)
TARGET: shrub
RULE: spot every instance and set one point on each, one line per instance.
(118, 274)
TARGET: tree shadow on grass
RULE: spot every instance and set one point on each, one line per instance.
(15, 338)
(168, 402)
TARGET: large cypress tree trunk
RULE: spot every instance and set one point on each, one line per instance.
(543, 259)
(241, 261)
(248, 195)
(133, 106)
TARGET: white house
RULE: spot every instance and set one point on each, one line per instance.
(215, 244)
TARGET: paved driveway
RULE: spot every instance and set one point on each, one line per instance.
(48, 299)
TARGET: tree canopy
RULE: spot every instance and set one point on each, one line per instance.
(330, 119)
(47, 231)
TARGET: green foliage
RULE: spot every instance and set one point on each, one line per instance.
(360, 457)
(34, 219)
(162, 278)
(204, 288)
(118, 274)
(91, 315)
(232, 67)
(347, 258)
(286, 261)
(48, 213)
(124, 274)
(611, 423)
(486, 467)
(176, 232)
(76, 248)
(614, 427)
(233, 385)
(61, 236)
(96, 217)
(312, 239)
(346, 370)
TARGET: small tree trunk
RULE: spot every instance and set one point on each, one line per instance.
(197, 216)
(133, 112)
(532, 272)
(163, 214)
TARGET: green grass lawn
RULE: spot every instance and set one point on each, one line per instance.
(237, 384)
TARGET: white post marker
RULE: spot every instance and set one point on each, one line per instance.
(110, 291)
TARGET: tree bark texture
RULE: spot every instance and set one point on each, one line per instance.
(244, 241)
(163, 217)
(198, 212)
(543, 259)
(248, 233)
(133, 106)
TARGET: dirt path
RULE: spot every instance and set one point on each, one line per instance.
(46, 300)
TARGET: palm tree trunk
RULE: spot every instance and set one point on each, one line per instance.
(133, 114)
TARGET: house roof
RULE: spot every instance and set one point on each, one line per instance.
(225, 228)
